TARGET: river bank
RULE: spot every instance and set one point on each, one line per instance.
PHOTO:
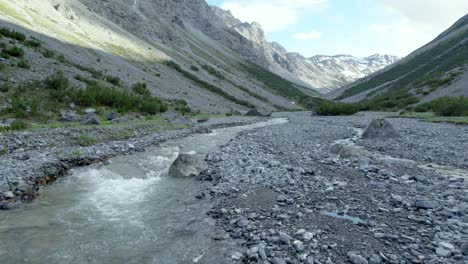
(312, 191)
(39, 157)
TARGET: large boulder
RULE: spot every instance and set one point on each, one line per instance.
(176, 118)
(90, 119)
(259, 112)
(380, 128)
(188, 165)
(112, 116)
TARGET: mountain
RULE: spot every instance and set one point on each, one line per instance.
(180, 49)
(324, 73)
(437, 69)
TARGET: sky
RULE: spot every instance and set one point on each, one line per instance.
(356, 27)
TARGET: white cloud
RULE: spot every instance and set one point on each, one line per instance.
(273, 15)
(420, 22)
(314, 34)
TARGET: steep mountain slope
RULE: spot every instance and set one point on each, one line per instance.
(324, 73)
(135, 40)
(437, 69)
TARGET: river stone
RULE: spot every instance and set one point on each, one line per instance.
(188, 165)
(258, 112)
(120, 120)
(464, 248)
(90, 119)
(425, 204)
(112, 116)
(176, 118)
(380, 128)
(356, 259)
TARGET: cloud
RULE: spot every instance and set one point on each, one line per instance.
(314, 34)
(432, 12)
(419, 22)
(273, 15)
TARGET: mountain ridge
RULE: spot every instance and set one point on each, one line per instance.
(293, 65)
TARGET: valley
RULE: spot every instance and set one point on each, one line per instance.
(170, 131)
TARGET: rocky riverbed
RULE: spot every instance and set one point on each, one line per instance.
(312, 191)
(32, 159)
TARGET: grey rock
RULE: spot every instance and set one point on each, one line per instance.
(201, 130)
(112, 116)
(380, 128)
(9, 195)
(176, 118)
(121, 120)
(464, 248)
(90, 111)
(277, 260)
(298, 245)
(188, 165)
(90, 119)
(356, 259)
(426, 204)
(443, 252)
(285, 238)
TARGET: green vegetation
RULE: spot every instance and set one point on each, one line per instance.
(194, 68)
(182, 106)
(40, 99)
(280, 86)
(12, 52)
(432, 117)
(328, 108)
(32, 43)
(16, 125)
(141, 89)
(12, 34)
(113, 80)
(446, 106)
(213, 71)
(207, 85)
(6, 86)
(24, 64)
(48, 54)
(61, 59)
(85, 141)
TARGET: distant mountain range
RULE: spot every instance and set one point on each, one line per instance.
(323, 73)
(439, 68)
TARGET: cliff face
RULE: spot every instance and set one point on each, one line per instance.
(324, 73)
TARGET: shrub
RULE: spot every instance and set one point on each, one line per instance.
(213, 71)
(61, 58)
(32, 43)
(6, 86)
(182, 106)
(14, 52)
(96, 95)
(12, 34)
(141, 89)
(113, 80)
(48, 54)
(448, 106)
(17, 125)
(329, 108)
(57, 81)
(24, 64)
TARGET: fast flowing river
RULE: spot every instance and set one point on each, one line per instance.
(130, 211)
